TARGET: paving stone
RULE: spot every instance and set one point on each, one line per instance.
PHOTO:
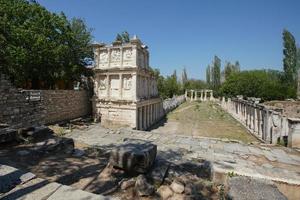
(255, 150)
(244, 188)
(66, 192)
(10, 177)
(269, 156)
(37, 189)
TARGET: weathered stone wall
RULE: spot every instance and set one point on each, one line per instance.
(65, 104)
(16, 110)
(267, 124)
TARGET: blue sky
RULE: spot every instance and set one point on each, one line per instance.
(188, 33)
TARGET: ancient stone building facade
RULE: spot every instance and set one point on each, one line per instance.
(125, 91)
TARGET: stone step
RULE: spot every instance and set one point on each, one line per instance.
(16, 184)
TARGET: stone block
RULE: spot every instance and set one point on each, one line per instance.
(134, 156)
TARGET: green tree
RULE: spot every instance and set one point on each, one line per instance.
(290, 57)
(265, 84)
(125, 37)
(231, 68)
(216, 73)
(208, 75)
(119, 38)
(184, 77)
(41, 47)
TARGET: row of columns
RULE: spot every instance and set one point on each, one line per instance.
(266, 124)
(147, 115)
(203, 95)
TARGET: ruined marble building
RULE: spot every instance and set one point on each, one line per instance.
(125, 91)
(202, 95)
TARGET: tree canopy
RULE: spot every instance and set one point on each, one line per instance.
(266, 84)
(41, 47)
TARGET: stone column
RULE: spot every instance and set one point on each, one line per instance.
(196, 93)
(191, 95)
(144, 118)
(120, 85)
(108, 86)
(211, 95)
(205, 95)
(185, 94)
(201, 95)
(140, 118)
(294, 133)
(134, 87)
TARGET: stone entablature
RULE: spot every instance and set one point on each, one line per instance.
(121, 55)
(125, 91)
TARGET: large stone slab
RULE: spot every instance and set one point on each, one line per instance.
(37, 189)
(134, 156)
(245, 188)
(10, 177)
(66, 192)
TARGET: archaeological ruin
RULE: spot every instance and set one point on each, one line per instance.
(193, 95)
(125, 90)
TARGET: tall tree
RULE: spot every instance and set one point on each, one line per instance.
(184, 77)
(125, 37)
(298, 68)
(290, 57)
(231, 68)
(216, 73)
(237, 66)
(208, 74)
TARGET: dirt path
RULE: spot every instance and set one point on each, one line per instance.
(204, 119)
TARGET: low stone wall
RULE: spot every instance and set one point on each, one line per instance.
(268, 125)
(65, 104)
(171, 103)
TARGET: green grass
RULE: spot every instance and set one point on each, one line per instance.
(209, 120)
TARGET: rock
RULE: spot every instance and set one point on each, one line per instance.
(23, 153)
(177, 187)
(245, 188)
(78, 153)
(142, 187)
(179, 197)
(159, 170)
(189, 189)
(127, 184)
(165, 192)
(134, 156)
